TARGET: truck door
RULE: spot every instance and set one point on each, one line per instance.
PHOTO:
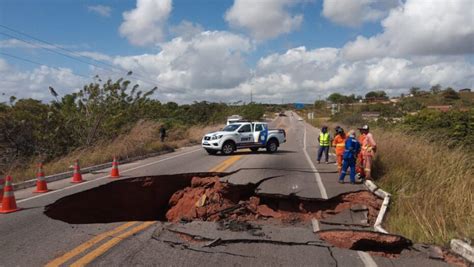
(246, 134)
(261, 133)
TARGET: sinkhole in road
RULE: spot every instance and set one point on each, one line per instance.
(197, 196)
(377, 243)
(203, 196)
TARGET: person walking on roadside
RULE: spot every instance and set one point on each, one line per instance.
(339, 144)
(162, 133)
(324, 143)
(360, 158)
(351, 150)
(368, 151)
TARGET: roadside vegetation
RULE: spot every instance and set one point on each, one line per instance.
(424, 160)
(102, 120)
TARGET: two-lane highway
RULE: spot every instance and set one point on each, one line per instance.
(30, 238)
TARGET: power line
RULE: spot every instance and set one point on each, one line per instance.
(68, 56)
(49, 49)
(141, 77)
(58, 47)
(37, 63)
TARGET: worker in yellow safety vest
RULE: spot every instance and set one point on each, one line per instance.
(324, 143)
(368, 151)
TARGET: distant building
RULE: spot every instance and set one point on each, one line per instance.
(395, 100)
(465, 90)
(443, 108)
(370, 116)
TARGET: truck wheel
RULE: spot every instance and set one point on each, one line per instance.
(254, 149)
(211, 151)
(228, 148)
(272, 146)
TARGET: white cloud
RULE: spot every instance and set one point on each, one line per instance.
(186, 30)
(102, 10)
(144, 25)
(264, 19)
(355, 12)
(421, 27)
(303, 75)
(34, 83)
(192, 68)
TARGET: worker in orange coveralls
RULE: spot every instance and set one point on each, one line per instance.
(360, 157)
(339, 144)
(368, 151)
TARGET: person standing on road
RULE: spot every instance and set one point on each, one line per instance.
(324, 143)
(339, 144)
(360, 158)
(368, 151)
(351, 150)
(162, 133)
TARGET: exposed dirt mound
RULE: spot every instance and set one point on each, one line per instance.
(212, 200)
(208, 199)
(377, 243)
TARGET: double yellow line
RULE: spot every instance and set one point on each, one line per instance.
(225, 164)
(114, 240)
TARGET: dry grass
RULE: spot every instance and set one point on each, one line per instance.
(141, 140)
(433, 187)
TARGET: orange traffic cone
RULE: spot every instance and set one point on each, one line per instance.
(41, 186)
(2, 182)
(114, 173)
(8, 202)
(77, 176)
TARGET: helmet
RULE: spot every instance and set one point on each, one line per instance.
(365, 127)
(339, 130)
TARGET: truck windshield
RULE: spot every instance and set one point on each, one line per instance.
(231, 127)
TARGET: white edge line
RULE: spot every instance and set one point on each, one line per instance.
(364, 256)
(319, 182)
(366, 259)
(107, 176)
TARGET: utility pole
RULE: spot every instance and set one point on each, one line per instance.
(251, 96)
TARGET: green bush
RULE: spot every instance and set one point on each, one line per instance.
(32, 129)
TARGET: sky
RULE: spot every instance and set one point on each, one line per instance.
(224, 50)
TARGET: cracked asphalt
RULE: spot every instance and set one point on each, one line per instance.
(30, 238)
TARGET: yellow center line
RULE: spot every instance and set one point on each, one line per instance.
(83, 247)
(115, 240)
(225, 164)
(109, 244)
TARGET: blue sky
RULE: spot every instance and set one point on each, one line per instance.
(71, 24)
(324, 24)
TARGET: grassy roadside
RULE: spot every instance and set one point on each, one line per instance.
(432, 186)
(141, 140)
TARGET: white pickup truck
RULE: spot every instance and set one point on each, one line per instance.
(253, 135)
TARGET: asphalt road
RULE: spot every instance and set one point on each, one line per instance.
(30, 238)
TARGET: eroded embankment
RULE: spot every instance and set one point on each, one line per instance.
(203, 197)
(188, 197)
(211, 200)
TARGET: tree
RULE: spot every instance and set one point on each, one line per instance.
(450, 94)
(376, 95)
(336, 98)
(253, 111)
(435, 89)
(414, 91)
(319, 104)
